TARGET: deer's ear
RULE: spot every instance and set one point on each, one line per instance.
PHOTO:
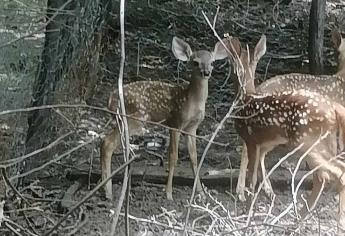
(234, 46)
(220, 52)
(336, 39)
(181, 49)
(260, 48)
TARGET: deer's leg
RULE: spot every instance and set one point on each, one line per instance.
(253, 161)
(241, 182)
(341, 211)
(191, 143)
(256, 167)
(109, 144)
(173, 156)
(266, 182)
(318, 185)
(331, 142)
(267, 187)
(341, 141)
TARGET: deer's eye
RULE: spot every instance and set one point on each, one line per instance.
(195, 63)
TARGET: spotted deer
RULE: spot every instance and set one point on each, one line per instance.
(331, 86)
(179, 107)
(296, 117)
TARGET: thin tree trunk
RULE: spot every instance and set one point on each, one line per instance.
(316, 30)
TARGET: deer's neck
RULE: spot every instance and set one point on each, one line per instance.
(341, 66)
(198, 88)
(249, 85)
(245, 85)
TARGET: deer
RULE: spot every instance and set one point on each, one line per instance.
(178, 107)
(297, 117)
(331, 86)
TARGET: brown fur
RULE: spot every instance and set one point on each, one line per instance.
(179, 107)
(329, 86)
(309, 117)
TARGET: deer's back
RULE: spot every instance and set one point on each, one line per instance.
(297, 116)
(151, 100)
(331, 86)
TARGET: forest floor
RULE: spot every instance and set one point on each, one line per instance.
(150, 27)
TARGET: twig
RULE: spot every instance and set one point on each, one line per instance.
(39, 29)
(65, 118)
(90, 194)
(90, 168)
(138, 58)
(294, 192)
(53, 160)
(166, 226)
(275, 220)
(8, 221)
(21, 3)
(11, 162)
(2, 217)
(78, 227)
(260, 224)
(282, 56)
(29, 223)
(125, 182)
(228, 76)
(275, 14)
(270, 209)
(310, 208)
(312, 171)
(244, 27)
(127, 203)
(35, 208)
(8, 182)
(266, 69)
(215, 18)
(12, 229)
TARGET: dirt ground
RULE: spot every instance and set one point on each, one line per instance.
(149, 39)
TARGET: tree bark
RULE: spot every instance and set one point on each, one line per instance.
(49, 72)
(68, 69)
(316, 31)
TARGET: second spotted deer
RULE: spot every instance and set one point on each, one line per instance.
(296, 117)
(179, 107)
(330, 86)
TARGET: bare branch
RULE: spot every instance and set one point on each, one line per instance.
(56, 13)
(125, 182)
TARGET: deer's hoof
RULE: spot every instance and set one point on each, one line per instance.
(269, 193)
(201, 196)
(108, 195)
(241, 196)
(169, 196)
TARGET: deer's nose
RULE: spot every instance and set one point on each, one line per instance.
(206, 73)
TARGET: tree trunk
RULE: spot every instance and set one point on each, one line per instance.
(68, 70)
(316, 30)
